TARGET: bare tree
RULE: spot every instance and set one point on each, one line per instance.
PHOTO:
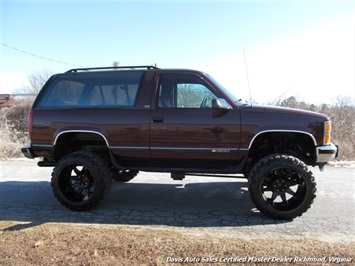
(36, 81)
(342, 114)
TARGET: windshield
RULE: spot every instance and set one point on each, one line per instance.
(230, 95)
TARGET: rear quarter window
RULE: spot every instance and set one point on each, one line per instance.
(117, 89)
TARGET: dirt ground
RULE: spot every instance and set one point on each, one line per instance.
(73, 244)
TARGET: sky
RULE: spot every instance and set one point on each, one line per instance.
(266, 50)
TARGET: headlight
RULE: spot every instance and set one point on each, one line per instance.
(327, 131)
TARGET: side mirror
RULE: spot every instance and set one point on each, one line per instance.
(220, 103)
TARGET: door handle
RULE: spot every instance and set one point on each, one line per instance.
(158, 119)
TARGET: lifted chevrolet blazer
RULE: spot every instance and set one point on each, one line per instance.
(97, 124)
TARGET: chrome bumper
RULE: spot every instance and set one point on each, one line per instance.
(326, 153)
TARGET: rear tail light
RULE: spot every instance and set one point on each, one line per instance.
(30, 121)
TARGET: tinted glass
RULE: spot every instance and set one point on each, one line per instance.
(117, 89)
(184, 91)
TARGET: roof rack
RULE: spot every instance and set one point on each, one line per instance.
(111, 67)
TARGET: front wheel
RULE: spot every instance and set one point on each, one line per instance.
(80, 180)
(281, 186)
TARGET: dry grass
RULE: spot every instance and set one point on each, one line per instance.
(70, 244)
(13, 127)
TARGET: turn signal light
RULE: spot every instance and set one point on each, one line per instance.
(327, 130)
(328, 126)
(326, 138)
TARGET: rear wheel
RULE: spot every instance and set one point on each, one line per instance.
(80, 180)
(281, 186)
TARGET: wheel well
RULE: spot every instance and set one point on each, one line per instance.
(292, 143)
(79, 141)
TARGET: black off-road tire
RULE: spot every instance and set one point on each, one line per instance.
(282, 187)
(124, 175)
(80, 180)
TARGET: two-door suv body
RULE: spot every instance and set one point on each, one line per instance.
(98, 124)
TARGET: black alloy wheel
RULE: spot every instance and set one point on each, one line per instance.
(80, 180)
(281, 186)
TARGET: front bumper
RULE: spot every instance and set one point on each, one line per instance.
(27, 151)
(326, 153)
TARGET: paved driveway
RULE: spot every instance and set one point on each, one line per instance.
(203, 204)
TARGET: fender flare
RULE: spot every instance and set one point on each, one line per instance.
(282, 131)
(80, 131)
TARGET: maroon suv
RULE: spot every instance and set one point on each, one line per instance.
(98, 124)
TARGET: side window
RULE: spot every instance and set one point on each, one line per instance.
(116, 89)
(190, 95)
(122, 95)
(184, 91)
(63, 93)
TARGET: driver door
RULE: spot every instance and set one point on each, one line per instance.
(185, 127)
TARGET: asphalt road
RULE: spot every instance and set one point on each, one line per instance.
(203, 204)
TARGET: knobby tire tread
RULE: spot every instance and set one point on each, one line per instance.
(97, 165)
(262, 168)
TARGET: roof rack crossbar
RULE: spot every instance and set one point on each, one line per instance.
(111, 67)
